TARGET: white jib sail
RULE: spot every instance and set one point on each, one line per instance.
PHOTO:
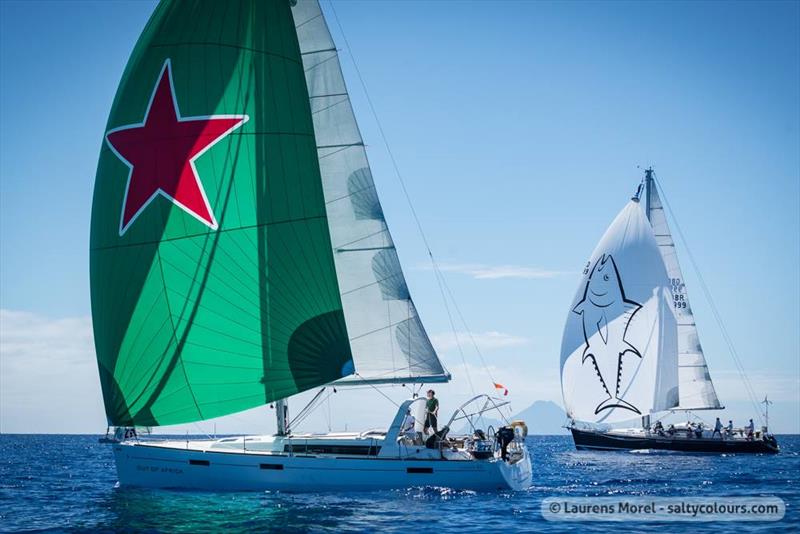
(388, 341)
(696, 387)
(619, 356)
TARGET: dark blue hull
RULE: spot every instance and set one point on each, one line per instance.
(591, 440)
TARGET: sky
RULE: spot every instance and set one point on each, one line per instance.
(520, 130)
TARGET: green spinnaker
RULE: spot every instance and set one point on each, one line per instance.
(191, 322)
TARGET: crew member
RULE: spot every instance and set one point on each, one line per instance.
(717, 428)
(408, 423)
(658, 428)
(431, 412)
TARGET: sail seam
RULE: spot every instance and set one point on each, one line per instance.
(383, 230)
(224, 230)
(318, 52)
(226, 45)
(329, 95)
(364, 249)
(312, 19)
(353, 193)
(376, 282)
(348, 145)
(381, 329)
(105, 148)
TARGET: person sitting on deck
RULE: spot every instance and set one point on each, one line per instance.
(750, 428)
(408, 431)
(407, 427)
(431, 412)
(698, 432)
(658, 428)
(671, 430)
(717, 428)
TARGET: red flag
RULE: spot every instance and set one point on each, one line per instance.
(501, 386)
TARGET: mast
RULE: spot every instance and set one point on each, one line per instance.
(766, 402)
(282, 416)
(648, 184)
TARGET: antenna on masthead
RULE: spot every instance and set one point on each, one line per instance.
(644, 186)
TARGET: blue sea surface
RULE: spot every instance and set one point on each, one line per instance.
(68, 483)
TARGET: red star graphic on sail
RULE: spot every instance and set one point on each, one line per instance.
(161, 152)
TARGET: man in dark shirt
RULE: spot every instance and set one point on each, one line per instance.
(717, 428)
(431, 411)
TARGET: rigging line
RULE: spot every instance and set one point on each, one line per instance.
(715, 312)
(380, 129)
(202, 430)
(309, 408)
(440, 276)
(328, 412)
(377, 389)
(469, 332)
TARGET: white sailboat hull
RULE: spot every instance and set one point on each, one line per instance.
(153, 466)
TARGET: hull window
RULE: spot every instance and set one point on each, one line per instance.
(273, 467)
(420, 470)
(358, 450)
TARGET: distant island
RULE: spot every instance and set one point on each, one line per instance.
(542, 418)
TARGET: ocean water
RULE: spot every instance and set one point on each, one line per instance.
(68, 483)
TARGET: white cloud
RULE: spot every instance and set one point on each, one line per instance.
(481, 271)
(26, 336)
(485, 341)
(48, 374)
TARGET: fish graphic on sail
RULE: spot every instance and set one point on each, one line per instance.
(603, 301)
(619, 349)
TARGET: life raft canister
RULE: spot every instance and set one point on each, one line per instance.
(523, 428)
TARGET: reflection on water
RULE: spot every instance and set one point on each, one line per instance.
(68, 483)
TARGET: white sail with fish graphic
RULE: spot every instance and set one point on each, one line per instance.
(619, 350)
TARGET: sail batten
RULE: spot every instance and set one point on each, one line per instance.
(696, 387)
(388, 341)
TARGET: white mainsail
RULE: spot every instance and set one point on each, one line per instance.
(619, 349)
(696, 388)
(388, 342)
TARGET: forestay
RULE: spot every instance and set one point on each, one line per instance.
(619, 349)
(387, 339)
(696, 388)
